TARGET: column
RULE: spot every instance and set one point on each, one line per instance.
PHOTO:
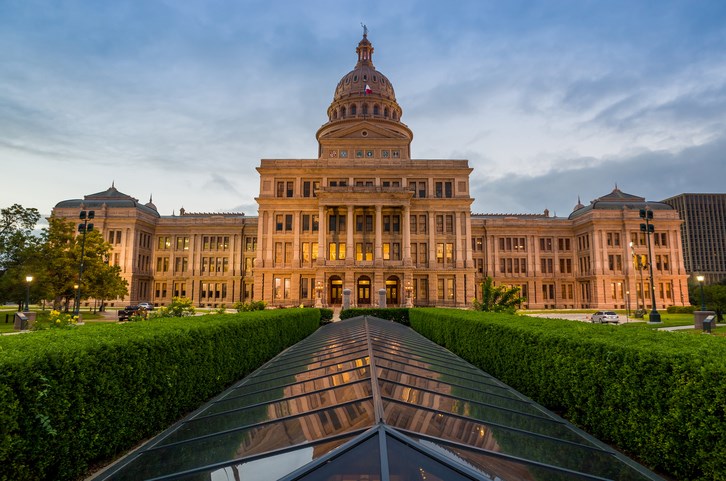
(406, 235)
(322, 224)
(432, 239)
(268, 238)
(379, 236)
(296, 239)
(459, 257)
(467, 241)
(349, 245)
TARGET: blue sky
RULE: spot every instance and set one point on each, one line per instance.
(548, 100)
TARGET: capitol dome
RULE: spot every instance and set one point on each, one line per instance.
(364, 92)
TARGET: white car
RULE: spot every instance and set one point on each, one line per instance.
(605, 317)
(146, 305)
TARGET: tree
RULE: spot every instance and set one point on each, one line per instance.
(106, 283)
(61, 255)
(18, 251)
(715, 295)
(498, 298)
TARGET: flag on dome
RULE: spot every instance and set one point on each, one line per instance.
(368, 89)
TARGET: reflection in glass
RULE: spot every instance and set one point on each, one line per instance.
(482, 412)
(407, 463)
(361, 462)
(291, 406)
(269, 468)
(255, 440)
(403, 377)
(293, 388)
(503, 440)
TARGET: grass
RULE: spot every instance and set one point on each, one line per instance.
(8, 327)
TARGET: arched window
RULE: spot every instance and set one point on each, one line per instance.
(385, 112)
(342, 112)
(353, 109)
(376, 110)
(365, 109)
(335, 114)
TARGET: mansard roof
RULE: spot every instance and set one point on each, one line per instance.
(617, 200)
(109, 198)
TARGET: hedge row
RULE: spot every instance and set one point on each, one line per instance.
(395, 314)
(73, 397)
(660, 396)
(681, 309)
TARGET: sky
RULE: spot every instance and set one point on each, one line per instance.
(179, 100)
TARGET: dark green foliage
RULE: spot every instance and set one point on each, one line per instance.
(73, 397)
(660, 396)
(249, 306)
(681, 309)
(500, 298)
(326, 315)
(395, 314)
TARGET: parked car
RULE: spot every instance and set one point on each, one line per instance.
(605, 317)
(128, 311)
(146, 305)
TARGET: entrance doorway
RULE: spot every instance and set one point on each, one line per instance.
(336, 290)
(392, 291)
(364, 290)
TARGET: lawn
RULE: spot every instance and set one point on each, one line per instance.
(8, 312)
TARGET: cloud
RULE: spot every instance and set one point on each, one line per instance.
(655, 175)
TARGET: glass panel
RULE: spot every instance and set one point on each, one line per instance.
(260, 439)
(361, 462)
(278, 392)
(269, 468)
(481, 412)
(462, 392)
(291, 406)
(357, 359)
(306, 376)
(480, 384)
(407, 463)
(498, 467)
(506, 441)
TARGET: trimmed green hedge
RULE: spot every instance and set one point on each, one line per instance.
(395, 314)
(681, 309)
(660, 396)
(73, 397)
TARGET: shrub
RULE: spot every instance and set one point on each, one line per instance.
(74, 397)
(326, 315)
(681, 309)
(395, 314)
(249, 306)
(657, 395)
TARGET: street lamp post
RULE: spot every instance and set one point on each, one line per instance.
(28, 280)
(647, 215)
(627, 305)
(85, 216)
(700, 280)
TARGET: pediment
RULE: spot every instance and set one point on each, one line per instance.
(363, 130)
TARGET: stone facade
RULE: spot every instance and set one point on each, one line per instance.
(367, 217)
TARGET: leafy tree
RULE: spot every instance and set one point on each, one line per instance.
(18, 252)
(498, 298)
(61, 254)
(715, 295)
(106, 283)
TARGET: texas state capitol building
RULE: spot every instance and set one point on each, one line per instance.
(365, 216)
